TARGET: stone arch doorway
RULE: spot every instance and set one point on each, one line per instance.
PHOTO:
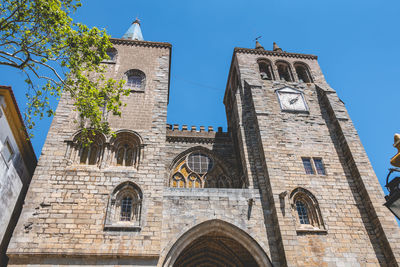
(216, 243)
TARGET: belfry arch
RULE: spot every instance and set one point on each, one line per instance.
(215, 243)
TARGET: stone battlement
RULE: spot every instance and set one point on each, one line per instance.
(195, 134)
(184, 128)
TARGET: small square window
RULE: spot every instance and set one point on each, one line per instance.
(308, 166)
(319, 166)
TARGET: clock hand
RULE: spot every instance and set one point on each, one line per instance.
(294, 100)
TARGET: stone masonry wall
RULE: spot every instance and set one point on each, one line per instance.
(184, 208)
(66, 205)
(352, 236)
(63, 219)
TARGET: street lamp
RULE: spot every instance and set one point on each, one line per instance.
(393, 199)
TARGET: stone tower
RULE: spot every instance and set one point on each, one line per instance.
(297, 144)
(289, 184)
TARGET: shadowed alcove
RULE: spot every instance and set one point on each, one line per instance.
(215, 243)
(215, 249)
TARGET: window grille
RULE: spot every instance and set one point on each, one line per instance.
(198, 169)
(134, 81)
(199, 162)
(319, 166)
(126, 209)
(308, 166)
(302, 212)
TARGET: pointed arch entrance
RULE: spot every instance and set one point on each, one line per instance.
(216, 243)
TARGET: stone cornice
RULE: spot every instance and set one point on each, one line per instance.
(140, 43)
(273, 53)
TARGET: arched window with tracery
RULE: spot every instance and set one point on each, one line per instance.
(126, 149)
(306, 211)
(303, 73)
(265, 69)
(199, 169)
(136, 80)
(81, 152)
(124, 208)
(284, 71)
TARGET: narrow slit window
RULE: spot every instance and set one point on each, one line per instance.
(93, 155)
(120, 156)
(126, 209)
(84, 155)
(308, 166)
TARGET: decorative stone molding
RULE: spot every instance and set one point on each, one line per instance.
(313, 221)
(273, 53)
(140, 43)
(132, 220)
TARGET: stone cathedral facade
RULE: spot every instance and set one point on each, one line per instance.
(289, 183)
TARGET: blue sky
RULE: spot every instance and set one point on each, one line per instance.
(357, 43)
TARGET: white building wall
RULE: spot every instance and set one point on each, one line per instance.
(13, 174)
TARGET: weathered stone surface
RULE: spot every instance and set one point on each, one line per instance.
(63, 219)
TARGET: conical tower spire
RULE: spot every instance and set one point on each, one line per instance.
(134, 32)
(259, 46)
(277, 48)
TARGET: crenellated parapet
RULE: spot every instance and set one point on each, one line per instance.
(194, 134)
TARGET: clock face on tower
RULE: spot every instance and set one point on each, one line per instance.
(291, 99)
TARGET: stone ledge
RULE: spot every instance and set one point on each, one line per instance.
(205, 192)
(140, 43)
(122, 228)
(311, 231)
(272, 53)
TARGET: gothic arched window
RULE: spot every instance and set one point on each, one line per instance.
(124, 208)
(284, 71)
(126, 149)
(199, 169)
(86, 154)
(265, 69)
(303, 73)
(135, 80)
(306, 211)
